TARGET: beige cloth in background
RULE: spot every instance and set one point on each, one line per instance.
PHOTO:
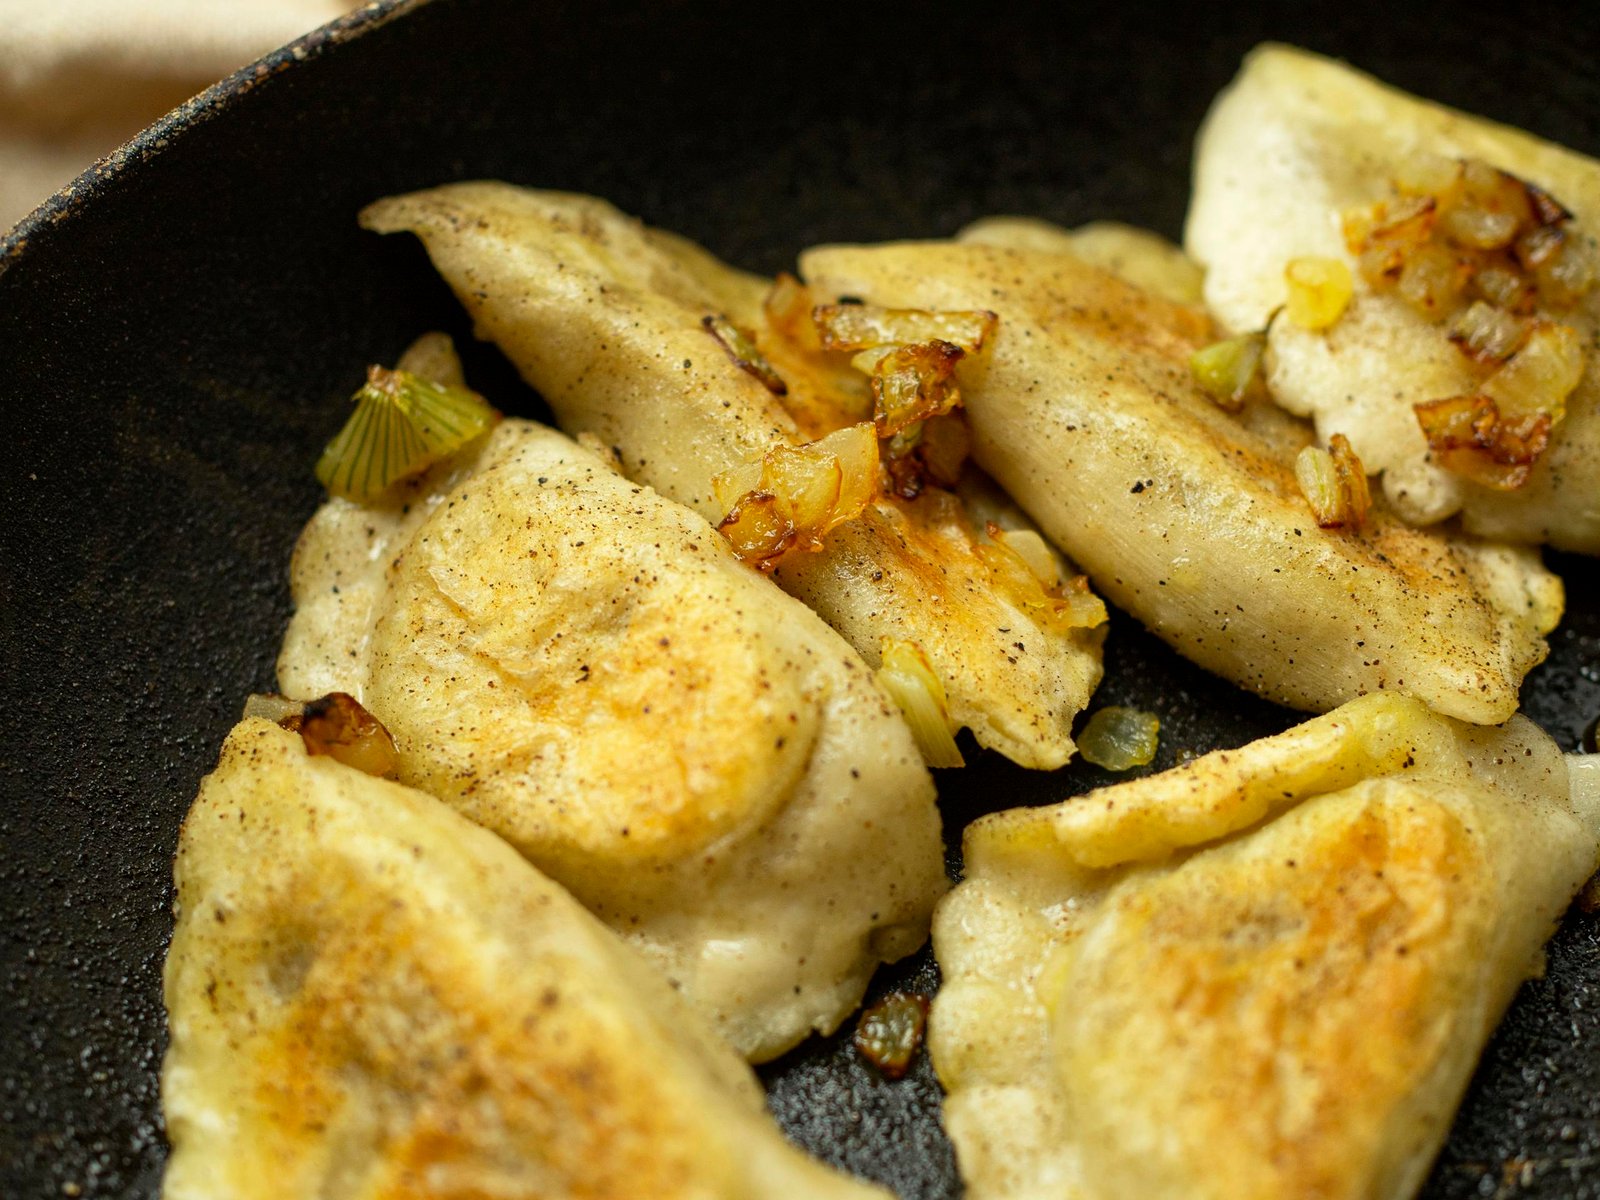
(80, 77)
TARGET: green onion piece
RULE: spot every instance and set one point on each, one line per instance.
(402, 425)
(890, 1031)
(1225, 370)
(908, 677)
(1119, 738)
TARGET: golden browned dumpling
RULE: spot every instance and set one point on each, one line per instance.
(1461, 276)
(607, 319)
(1266, 974)
(1145, 259)
(372, 998)
(584, 668)
(1087, 412)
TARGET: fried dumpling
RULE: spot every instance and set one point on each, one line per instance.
(1266, 974)
(1468, 286)
(371, 997)
(617, 327)
(584, 668)
(1138, 256)
(1086, 411)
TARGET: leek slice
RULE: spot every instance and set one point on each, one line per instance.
(402, 425)
(909, 679)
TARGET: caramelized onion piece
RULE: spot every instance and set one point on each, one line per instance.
(928, 452)
(1471, 234)
(866, 326)
(912, 383)
(338, 726)
(1468, 230)
(890, 1031)
(1385, 235)
(1487, 334)
(741, 348)
(796, 494)
(1334, 484)
(1469, 435)
(1433, 281)
(1541, 374)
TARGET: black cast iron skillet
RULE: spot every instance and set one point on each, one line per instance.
(179, 332)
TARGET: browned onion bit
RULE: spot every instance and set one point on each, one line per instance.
(929, 452)
(1352, 479)
(1472, 232)
(759, 534)
(913, 383)
(741, 348)
(795, 495)
(1470, 436)
(1469, 241)
(890, 1031)
(338, 726)
(1334, 484)
(1487, 334)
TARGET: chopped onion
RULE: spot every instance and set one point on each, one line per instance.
(1506, 287)
(1482, 228)
(402, 425)
(1319, 291)
(1488, 334)
(1568, 275)
(1119, 739)
(1334, 483)
(1468, 435)
(741, 348)
(338, 726)
(1227, 370)
(913, 383)
(1541, 375)
(1432, 280)
(864, 326)
(1539, 245)
(1383, 236)
(890, 1031)
(796, 494)
(1319, 483)
(1489, 209)
(908, 677)
(1470, 230)
(931, 451)
(1352, 480)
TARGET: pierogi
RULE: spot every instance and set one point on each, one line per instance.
(582, 667)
